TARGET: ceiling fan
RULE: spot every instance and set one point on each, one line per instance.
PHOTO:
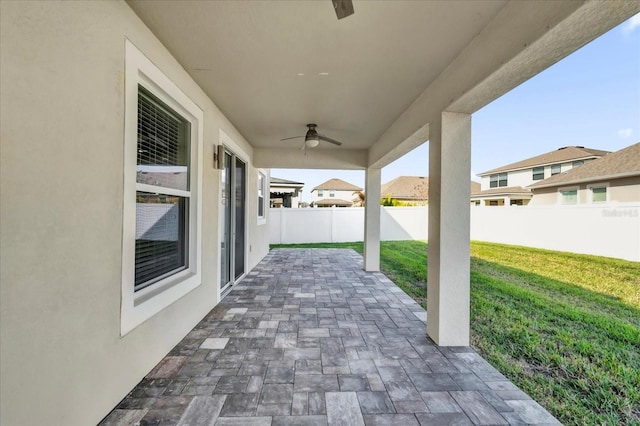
(343, 8)
(313, 138)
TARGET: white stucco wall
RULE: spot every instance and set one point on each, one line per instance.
(63, 360)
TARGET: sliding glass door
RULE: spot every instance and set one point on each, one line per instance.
(233, 201)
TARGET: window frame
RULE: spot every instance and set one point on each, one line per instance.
(561, 192)
(559, 168)
(139, 306)
(499, 177)
(320, 192)
(593, 186)
(262, 199)
(577, 163)
(537, 173)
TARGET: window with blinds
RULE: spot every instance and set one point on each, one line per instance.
(162, 191)
(599, 194)
(569, 196)
(497, 180)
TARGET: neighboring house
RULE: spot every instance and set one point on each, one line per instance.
(285, 193)
(334, 192)
(507, 185)
(411, 190)
(614, 178)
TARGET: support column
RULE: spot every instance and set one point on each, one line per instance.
(372, 220)
(449, 217)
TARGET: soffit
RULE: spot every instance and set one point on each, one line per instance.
(246, 55)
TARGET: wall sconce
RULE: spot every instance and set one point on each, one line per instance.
(218, 157)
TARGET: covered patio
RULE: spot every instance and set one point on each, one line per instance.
(137, 143)
(310, 338)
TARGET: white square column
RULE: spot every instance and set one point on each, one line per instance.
(448, 285)
(372, 220)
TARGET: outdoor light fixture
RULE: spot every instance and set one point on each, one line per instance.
(312, 141)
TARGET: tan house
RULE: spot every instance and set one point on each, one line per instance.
(108, 262)
(613, 178)
(411, 190)
(333, 193)
(507, 185)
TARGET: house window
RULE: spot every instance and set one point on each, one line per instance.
(577, 163)
(538, 173)
(320, 193)
(516, 203)
(162, 191)
(569, 196)
(497, 180)
(598, 193)
(493, 202)
(262, 190)
(332, 193)
(161, 224)
(555, 169)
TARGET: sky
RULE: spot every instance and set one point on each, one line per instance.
(591, 98)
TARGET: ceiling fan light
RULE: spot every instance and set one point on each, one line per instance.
(312, 142)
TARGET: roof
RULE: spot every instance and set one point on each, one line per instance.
(332, 202)
(412, 188)
(278, 181)
(337, 185)
(509, 190)
(407, 187)
(560, 155)
(625, 162)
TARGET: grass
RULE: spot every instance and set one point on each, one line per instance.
(563, 327)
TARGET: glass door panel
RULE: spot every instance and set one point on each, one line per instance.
(225, 214)
(239, 217)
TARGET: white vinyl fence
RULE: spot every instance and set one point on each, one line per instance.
(612, 231)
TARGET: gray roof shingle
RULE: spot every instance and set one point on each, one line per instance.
(561, 155)
(625, 162)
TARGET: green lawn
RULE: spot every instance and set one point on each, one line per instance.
(563, 327)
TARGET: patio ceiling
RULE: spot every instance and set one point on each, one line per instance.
(371, 80)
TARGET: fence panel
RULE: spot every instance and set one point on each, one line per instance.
(612, 230)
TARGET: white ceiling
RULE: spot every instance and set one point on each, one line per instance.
(247, 56)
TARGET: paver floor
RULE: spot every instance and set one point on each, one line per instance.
(309, 338)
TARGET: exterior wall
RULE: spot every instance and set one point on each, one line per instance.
(613, 228)
(626, 190)
(63, 360)
(339, 195)
(524, 177)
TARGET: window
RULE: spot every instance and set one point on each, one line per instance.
(516, 203)
(555, 169)
(262, 190)
(162, 190)
(569, 196)
(538, 173)
(497, 180)
(577, 163)
(320, 193)
(598, 193)
(493, 202)
(332, 193)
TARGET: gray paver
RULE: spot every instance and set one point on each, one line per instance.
(309, 338)
(343, 409)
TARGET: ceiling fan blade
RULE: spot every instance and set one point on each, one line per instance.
(343, 8)
(293, 137)
(326, 139)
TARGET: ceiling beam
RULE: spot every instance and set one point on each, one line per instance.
(312, 158)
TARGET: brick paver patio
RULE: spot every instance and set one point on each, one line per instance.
(309, 338)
